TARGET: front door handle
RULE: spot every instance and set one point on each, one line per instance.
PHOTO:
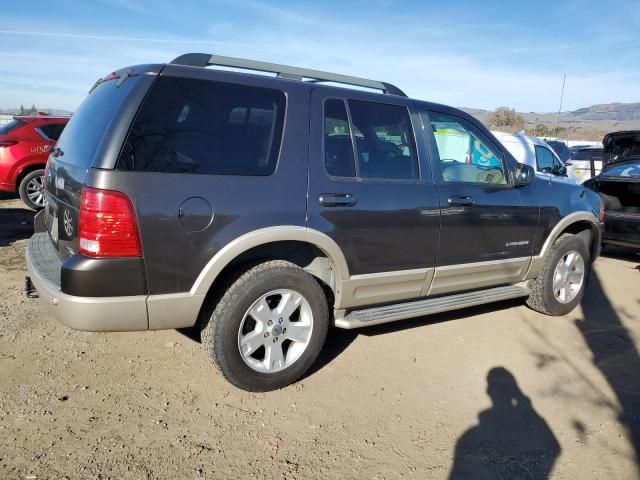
(461, 201)
(337, 200)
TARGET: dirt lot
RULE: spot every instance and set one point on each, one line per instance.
(494, 392)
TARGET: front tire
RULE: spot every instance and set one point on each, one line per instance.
(267, 328)
(561, 283)
(31, 189)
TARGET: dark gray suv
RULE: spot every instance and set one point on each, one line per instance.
(266, 208)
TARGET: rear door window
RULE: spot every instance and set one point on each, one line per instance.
(198, 126)
(338, 147)
(372, 141)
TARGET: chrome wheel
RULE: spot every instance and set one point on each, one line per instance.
(568, 277)
(275, 331)
(35, 191)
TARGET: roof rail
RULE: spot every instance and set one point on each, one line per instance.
(283, 71)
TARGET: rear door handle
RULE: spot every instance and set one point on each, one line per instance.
(337, 200)
(461, 201)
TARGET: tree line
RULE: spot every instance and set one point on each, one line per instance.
(28, 111)
(504, 118)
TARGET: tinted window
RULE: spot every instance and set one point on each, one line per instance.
(624, 148)
(465, 154)
(83, 134)
(587, 154)
(384, 141)
(338, 149)
(546, 161)
(12, 125)
(198, 126)
(53, 130)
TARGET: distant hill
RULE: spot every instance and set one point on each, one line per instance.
(590, 123)
(608, 111)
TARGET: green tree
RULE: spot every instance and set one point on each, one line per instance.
(22, 110)
(504, 117)
(33, 110)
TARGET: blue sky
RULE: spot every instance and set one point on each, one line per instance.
(463, 53)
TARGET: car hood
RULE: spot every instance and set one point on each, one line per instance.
(621, 147)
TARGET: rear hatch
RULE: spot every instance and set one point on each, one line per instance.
(91, 139)
(621, 147)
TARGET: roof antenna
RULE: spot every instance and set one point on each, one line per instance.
(564, 77)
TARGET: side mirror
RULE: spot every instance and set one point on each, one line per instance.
(524, 175)
(562, 171)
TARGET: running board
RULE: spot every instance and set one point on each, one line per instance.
(429, 306)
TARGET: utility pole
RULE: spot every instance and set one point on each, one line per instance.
(564, 77)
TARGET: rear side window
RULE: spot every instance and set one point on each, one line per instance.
(12, 125)
(52, 131)
(188, 125)
(381, 135)
(588, 154)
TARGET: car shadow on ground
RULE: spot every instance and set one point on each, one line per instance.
(15, 224)
(338, 340)
(614, 354)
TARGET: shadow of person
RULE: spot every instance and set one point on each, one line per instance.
(510, 440)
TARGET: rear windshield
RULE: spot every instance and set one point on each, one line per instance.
(12, 125)
(81, 137)
(587, 154)
(623, 149)
(188, 125)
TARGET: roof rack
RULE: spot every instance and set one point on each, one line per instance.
(283, 71)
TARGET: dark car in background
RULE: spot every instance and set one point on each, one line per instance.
(25, 144)
(619, 188)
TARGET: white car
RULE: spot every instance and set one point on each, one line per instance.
(579, 163)
(536, 153)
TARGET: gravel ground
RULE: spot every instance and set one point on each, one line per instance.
(493, 392)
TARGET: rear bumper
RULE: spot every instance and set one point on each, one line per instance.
(96, 314)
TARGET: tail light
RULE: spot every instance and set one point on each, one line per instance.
(108, 225)
(7, 143)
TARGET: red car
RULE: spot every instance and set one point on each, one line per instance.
(25, 144)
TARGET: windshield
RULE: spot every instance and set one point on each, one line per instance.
(627, 170)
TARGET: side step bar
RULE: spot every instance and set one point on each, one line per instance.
(429, 306)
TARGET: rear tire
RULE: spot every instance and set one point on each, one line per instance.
(561, 283)
(31, 189)
(245, 331)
